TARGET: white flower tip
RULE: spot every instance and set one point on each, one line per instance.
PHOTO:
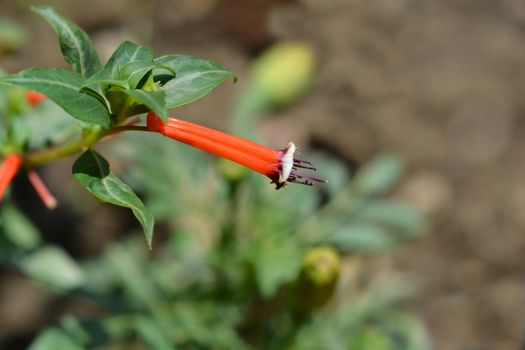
(286, 163)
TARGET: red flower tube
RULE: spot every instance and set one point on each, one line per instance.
(34, 98)
(279, 165)
(8, 170)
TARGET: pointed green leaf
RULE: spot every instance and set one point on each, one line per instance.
(129, 52)
(395, 215)
(137, 72)
(62, 87)
(154, 100)
(18, 229)
(58, 128)
(53, 267)
(104, 77)
(379, 175)
(126, 263)
(53, 339)
(151, 331)
(97, 92)
(361, 236)
(92, 171)
(276, 261)
(195, 78)
(99, 83)
(74, 42)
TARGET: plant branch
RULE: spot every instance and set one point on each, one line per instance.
(119, 129)
(51, 154)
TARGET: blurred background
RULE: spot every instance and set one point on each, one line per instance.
(428, 92)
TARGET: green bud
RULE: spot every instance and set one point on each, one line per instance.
(318, 278)
(12, 36)
(322, 265)
(150, 85)
(284, 72)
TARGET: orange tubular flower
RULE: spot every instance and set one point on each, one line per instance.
(34, 98)
(8, 170)
(279, 165)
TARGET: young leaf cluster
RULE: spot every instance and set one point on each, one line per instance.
(103, 98)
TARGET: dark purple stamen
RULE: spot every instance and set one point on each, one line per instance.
(299, 180)
(303, 164)
(302, 161)
(303, 179)
(295, 176)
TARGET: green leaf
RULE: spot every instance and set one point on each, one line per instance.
(58, 128)
(78, 330)
(74, 42)
(62, 87)
(360, 236)
(407, 330)
(137, 72)
(276, 262)
(18, 228)
(395, 215)
(18, 133)
(152, 333)
(333, 169)
(129, 52)
(369, 338)
(154, 100)
(379, 175)
(128, 264)
(51, 266)
(165, 168)
(105, 77)
(97, 93)
(53, 339)
(99, 83)
(195, 78)
(92, 171)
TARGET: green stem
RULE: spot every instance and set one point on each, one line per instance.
(51, 154)
(119, 129)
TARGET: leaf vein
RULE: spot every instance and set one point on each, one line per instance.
(79, 49)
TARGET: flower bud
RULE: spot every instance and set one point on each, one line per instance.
(321, 266)
(318, 279)
(34, 98)
(12, 36)
(284, 72)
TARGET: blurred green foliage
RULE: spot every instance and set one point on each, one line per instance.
(240, 264)
(12, 36)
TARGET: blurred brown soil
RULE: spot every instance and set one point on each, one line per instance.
(441, 82)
